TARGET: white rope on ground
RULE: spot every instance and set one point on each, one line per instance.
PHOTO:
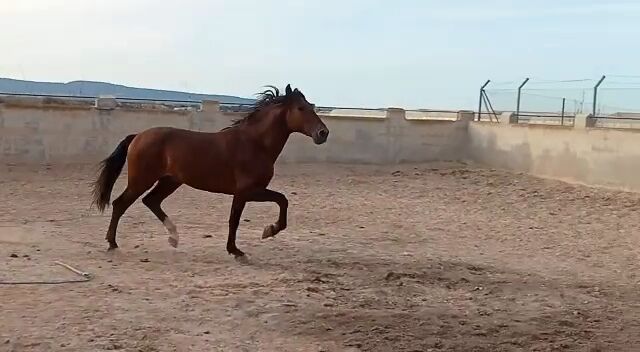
(85, 277)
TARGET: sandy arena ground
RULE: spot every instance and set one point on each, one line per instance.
(406, 258)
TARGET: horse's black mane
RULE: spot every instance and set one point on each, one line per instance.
(270, 96)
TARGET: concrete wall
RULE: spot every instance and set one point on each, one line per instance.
(594, 156)
(48, 130)
(388, 138)
(35, 130)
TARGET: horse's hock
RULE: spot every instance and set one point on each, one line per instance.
(62, 130)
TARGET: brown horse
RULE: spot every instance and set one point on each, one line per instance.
(238, 160)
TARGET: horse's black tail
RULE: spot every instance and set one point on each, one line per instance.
(110, 168)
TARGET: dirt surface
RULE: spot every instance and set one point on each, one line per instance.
(438, 257)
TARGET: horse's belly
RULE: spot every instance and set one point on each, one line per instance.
(214, 187)
(216, 182)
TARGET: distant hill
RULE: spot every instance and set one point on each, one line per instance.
(94, 89)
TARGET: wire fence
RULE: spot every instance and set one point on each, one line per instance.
(546, 101)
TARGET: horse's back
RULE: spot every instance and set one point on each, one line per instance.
(200, 159)
(156, 138)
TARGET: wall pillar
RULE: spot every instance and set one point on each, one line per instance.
(106, 103)
(210, 105)
(508, 117)
(396, 121)
(583, 121)
(207, 118)
(466, 115)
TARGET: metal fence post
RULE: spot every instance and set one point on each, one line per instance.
(595, 95)
(480, 99)
(518, 101)
(562, 116)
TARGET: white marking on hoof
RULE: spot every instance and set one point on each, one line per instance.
(173, 232)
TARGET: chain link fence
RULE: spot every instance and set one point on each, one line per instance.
(613, 100)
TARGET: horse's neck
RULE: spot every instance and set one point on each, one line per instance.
(270, 133)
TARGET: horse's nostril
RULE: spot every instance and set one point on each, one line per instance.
(323, 133)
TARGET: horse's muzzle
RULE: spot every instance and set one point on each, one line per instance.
(321, 135)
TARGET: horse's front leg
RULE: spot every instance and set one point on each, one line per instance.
(268, 195)
(237, 207)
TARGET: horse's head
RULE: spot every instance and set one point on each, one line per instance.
(291, 111)
(301, 117)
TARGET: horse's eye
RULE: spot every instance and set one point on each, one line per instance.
(301, 108)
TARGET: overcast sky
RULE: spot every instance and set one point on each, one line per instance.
(407, 53)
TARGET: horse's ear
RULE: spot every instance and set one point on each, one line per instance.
(287, 90)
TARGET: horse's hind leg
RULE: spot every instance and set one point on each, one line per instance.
(120, 205)
(165, 187)
(237, 207)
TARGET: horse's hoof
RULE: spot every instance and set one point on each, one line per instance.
(112, 247)
(242, 259)
(173, 242)
(269, 231)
